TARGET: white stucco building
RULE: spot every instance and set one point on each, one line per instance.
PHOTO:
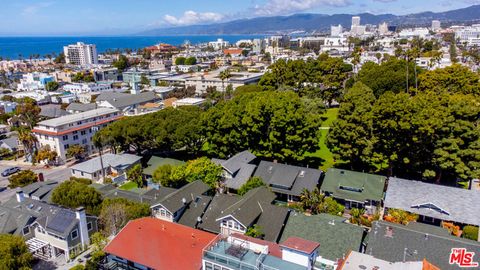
(81, 54)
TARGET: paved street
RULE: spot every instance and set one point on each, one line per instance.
(60, 174)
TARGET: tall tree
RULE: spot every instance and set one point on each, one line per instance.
(73, 194)
(14, 253)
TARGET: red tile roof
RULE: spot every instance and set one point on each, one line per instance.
(273, 248)
(160, 244)
(300, 244)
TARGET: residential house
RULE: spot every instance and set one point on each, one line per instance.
(238, 252)
(50, 231)
(75, 129)
(149, 197)
(398, 243)
(434, 203)
(40, 191)
(129, 104)
(173, 206)
(11, 144)
(287, 181)
(237, 169)
(149, 243)
(81, 107)
(336, 237)
(114, 166)
(50, 111)
(355, 189)
(356, 260)
(229, 214)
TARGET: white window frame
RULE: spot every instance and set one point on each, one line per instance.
(71, 234)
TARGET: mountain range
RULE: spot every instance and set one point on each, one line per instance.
(316, 23)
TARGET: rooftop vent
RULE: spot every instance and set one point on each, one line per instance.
(301, 174)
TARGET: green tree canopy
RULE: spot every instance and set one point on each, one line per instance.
(453, 79)
(252, 183)
(190, 61)
(273, 125)
(76, 151)
(391, 75)
(135, 175)
(122, 63)
(115, 213)
(52, 86)
(180, 61)
(22, 178)
(73, 194)
(14, 253)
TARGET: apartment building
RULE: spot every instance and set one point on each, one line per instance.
(61, 133)
(34, 81)
(78, 88)
(81, 54)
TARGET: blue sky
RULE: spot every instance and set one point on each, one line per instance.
(59, 17)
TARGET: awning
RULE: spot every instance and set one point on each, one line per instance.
(35, 244)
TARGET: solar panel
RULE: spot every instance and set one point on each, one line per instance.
(61, 221)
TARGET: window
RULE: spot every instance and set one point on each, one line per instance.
(89, 226)
(75, 137)
(26, 230)
(74, 234)
(66, 146)
(84, 141)
(208, 266)
(83, 132)
(75, 132)
(65, 137)
(81, 173)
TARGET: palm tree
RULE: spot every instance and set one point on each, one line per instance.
(311, 199)
(29, 142)
(225, 75)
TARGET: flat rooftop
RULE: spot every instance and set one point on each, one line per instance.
(72, 118)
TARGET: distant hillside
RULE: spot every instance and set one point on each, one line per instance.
(315, 22)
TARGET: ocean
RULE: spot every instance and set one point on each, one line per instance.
(13, 47)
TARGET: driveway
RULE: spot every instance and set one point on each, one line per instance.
(60, 174)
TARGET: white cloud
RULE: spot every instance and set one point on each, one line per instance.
(283, 7)
(34, 8)
(191, 17)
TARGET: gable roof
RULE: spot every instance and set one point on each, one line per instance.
(160, 244)
(215, 210)
(11, 142)
(241, 177)
(233, 164)
(55, 219)
(110, 95)
(194, 211)
(288, 179)
(388, 241)
(40, 190)
(185, 195)
(353, 186)
(52, 111)
(130, 100)
(300, 244)
(109, 160)
(331, 232)
(149, 197)
(436, 201)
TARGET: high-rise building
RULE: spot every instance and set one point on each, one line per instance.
(383, 29)
(355, 21)
(436, 25)
(336, 31)
(81, 54)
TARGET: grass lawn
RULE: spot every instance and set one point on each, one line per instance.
(129, 186)
(323, 153)
(330, 116)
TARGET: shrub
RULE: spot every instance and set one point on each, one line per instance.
(23, 178)
(470, 232)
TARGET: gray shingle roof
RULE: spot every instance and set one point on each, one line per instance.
(109, 160)
(40, 190)
(110, 95)
(336, 237)
(233, 164)
(287, 179)
(436, 201)
(52, 111)
(154, 162)
(81, 107)
(241, 177)
(174, 201)
(11, 143)
(272, 220)
(388, 241)
(215, 210)
(195, 210)
(130, 100)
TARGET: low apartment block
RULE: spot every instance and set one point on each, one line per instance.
(61, 133)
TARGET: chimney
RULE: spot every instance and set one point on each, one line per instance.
(20, 196)
(82, 224)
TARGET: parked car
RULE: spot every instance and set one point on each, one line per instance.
(10, 171)
(3, 188)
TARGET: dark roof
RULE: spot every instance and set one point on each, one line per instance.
(436, 201)
(335, 236)
(40, 190)
(241, 176)
(272, 220)
(353, 186)
(52, 111)
(54, 219)
(233, 164)
(175, 200)
(249, 208)
(215, 210)
(194, 211)
(11, 142)
(388, 241)
(154, 162)
(149, 197)
(288, 179)
(81, 107)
